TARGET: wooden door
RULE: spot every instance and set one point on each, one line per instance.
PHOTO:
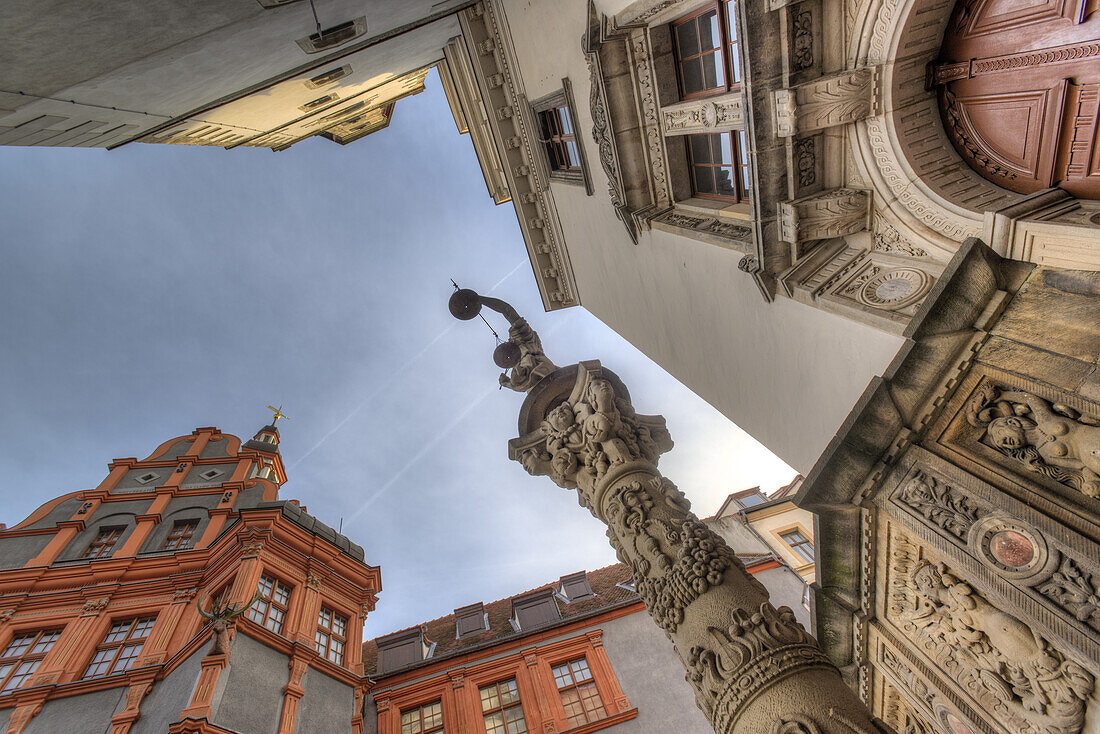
(1019, 92)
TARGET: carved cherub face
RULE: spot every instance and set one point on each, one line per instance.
(927, 579)
(1007, 433)
(561, 418)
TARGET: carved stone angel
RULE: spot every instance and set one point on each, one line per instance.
(1052, 440)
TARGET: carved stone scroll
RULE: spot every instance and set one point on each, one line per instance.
(827, 102)
(823, 216)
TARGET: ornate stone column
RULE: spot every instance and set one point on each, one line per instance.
(754, 669)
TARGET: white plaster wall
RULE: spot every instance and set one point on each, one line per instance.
(785, 372)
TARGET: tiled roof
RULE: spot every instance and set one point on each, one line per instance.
(607, 594)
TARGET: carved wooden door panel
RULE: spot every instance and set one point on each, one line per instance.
(1019, 92)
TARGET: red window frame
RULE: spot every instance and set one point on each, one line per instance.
(729, 63)
(22, 656)
(574, 677)
(270, 609)
(120, 648)
(331, 637)
(737, 168)
(422, 724)
(501, 700)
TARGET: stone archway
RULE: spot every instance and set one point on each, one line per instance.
(904, 151)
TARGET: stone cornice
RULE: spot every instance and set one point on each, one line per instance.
(510, 118)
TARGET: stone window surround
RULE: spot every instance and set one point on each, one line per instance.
(531, 668)
(799, 564)
(564, 98)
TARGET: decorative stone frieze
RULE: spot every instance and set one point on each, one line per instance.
(713, 229)
(713, 114)
(626, 119)
(494, 68)
(940, 504)
(753, 667)
(828, 102)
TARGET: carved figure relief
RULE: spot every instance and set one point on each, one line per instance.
(1026, 681)
(1051, 440)
(888, 239)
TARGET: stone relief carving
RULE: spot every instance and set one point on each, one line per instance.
(802, 22)
(827, 102)
(743, 657)
(711, 225)
(651, 122)
(805, 162)
(1075, 591)
(1026, 681)
(1051, 440)
(888, 239)
(822, 216)
(940, 504)
(706, 115)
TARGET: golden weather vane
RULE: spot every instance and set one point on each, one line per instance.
(278, 414)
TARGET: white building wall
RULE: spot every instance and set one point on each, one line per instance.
(785, 372)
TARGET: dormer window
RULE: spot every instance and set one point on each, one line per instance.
(750, 498)
(335, 36)
(470, 620)
(534, 609)
(401, 649)
(575, 586)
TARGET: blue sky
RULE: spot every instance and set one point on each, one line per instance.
(154, 289)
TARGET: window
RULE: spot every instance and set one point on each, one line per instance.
(401, 649)
(331, 635)
(802, 547)
(103, 543)
(706, 50)
(328, 77)
(335, 36)
(22, 657)
(424, 720)
(534, 608)
(750, 500)
(270, 609)
(180, 536)
(575, 586)
(470, 620)
(560, 139)
(578, 692)
(120, 648)
(719, 166)
(501, 709)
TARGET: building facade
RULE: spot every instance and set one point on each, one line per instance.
(774, 539)
(777, 202)
(102, 594)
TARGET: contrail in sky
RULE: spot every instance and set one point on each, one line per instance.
(438, 437)
(399, 372)
(420, 454)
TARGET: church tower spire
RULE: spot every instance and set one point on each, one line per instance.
(265, 443)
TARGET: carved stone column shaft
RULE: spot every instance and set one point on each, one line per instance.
(753, 667)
